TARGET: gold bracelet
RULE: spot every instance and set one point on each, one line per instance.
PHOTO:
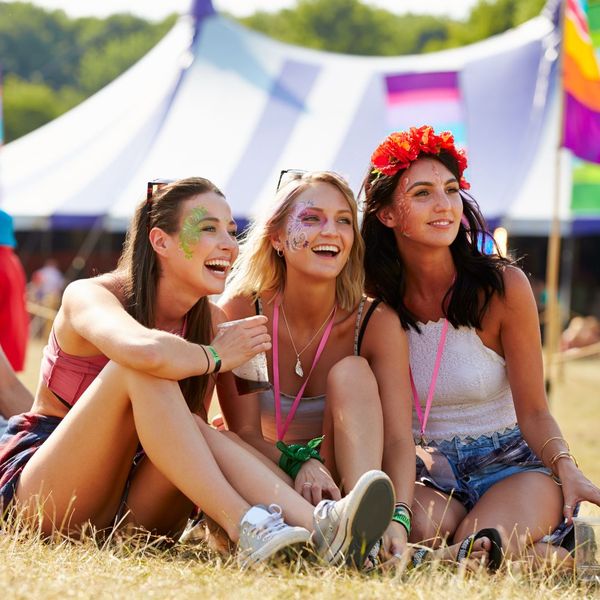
(556, 437)
(560, 455)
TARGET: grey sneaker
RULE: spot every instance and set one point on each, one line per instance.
(263, 534)
(346, 530)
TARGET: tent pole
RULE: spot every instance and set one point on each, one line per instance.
(552, 329)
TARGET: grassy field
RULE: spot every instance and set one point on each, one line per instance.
(30, 569)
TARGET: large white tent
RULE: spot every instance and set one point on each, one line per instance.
(218, 100)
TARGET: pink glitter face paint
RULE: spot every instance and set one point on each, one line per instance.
(297, 222)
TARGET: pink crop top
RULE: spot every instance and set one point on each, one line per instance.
(68, 376)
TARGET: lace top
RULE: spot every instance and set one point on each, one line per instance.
(472, 396)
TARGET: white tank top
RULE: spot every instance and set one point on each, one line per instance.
(472, 395)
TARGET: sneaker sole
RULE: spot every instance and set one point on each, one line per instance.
(291, 544)
(367, 517)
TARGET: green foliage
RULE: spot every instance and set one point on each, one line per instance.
(29, 105)
(354, 27)
(51, 62)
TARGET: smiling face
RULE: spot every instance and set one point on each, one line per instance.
(317, 234)
(203, 249)
(426, 206)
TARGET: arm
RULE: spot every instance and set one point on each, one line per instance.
(15, 398)
(521, 343)
(385, 346)
(93, 319)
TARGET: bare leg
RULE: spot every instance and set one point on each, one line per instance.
(89, 455)
(436, 516)
(523, 508)
(354, 411)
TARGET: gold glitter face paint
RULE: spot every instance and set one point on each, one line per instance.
(296, 238)
(190, 232)
(402, 203)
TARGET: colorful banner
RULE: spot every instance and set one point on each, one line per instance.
(415, 99)
(581, 83)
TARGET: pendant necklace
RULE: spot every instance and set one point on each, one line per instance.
(298, 367)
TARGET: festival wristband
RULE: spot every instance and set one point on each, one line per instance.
(216, 358)
(295, 455)
(401, 516)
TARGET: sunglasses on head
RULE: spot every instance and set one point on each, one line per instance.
(288, 175)
(155, 185)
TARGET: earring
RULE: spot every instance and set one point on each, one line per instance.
(279, 252)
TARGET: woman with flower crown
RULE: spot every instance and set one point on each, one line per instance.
(494, 473)
(339, 363)
(129, 365)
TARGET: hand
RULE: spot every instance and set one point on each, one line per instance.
(395, 542)
(238, 341)
(314, 482)
(576, 487)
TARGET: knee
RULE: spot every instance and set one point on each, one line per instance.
(351, 373)
(132, 378)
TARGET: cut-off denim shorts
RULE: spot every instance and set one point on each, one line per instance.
(468, 468)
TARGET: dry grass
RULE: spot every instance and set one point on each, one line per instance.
(32, 569)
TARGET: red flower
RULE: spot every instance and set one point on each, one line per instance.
(401, 148)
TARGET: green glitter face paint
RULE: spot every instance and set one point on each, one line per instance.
(190, 232)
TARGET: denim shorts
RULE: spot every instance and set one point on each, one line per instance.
(468, 468)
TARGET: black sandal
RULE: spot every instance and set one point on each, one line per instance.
(494, 554)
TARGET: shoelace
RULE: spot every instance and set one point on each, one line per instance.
(270, 525)
(323, 509)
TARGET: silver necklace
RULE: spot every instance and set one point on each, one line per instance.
(298, 367)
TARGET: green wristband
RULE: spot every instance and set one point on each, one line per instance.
(216, 357)
(401, 516)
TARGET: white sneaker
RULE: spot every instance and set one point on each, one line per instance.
(263, 534)
(346, 530)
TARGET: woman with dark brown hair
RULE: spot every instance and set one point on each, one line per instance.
(493, 470)
(117, 435)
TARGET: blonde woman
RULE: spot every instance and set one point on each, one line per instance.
(339, 362)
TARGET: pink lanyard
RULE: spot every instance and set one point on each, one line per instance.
(282, 429)
(434, 376)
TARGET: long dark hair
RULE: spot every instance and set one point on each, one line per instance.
(478, 275)
(142, 270)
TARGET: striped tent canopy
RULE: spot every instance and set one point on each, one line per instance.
(217, 100)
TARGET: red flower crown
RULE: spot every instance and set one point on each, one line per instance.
(401, 148)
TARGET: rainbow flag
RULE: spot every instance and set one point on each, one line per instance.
(581, 84)
(415, 99)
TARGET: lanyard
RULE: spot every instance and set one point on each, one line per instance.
(434, 376)
(282, 428)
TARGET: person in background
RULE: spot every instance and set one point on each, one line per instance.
(493, 469)
(15, 398)
(14, 320)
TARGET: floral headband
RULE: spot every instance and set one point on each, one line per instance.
(401, 148)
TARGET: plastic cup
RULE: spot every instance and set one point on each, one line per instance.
(253, 375)
(587, 551)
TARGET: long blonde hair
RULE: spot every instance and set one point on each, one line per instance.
(258, 268)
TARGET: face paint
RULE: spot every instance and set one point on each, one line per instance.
(402, 202)
(190, 233)
(295, 235)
